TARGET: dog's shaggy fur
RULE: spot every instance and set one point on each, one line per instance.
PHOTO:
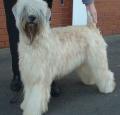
(45, 54)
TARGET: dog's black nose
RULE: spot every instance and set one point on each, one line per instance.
(31, 18)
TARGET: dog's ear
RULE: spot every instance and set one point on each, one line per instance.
(48, 15)
(14, 10)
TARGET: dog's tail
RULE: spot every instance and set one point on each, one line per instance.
(90, 22)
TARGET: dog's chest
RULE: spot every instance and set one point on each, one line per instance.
(31, 61)
(35, 63)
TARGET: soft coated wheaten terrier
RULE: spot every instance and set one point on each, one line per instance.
(46, 53)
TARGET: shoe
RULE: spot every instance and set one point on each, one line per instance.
(55, 90)
(17, 97)
(16, 84)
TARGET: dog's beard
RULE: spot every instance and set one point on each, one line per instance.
(31, 30)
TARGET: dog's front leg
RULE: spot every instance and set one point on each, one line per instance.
(27, 91)
(38, 99)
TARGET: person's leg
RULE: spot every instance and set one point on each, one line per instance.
(49, 2)
(13, 41)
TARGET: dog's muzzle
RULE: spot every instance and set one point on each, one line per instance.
(31, 27)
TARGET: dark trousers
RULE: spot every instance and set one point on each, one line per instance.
(13, 35)
(49, 3)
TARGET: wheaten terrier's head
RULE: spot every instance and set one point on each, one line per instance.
(31, 16)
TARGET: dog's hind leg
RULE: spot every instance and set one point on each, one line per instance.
(38, 99)
(85, 74)
(98, 63)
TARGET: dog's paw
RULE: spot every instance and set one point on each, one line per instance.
(44, 108)
(22, 106)
(108, 85)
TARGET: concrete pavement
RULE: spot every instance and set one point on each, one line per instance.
(76, 98)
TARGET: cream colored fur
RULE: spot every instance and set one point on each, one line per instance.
(57, 52)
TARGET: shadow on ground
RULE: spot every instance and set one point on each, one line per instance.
(76, 98)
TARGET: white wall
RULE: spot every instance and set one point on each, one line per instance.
(79, 13)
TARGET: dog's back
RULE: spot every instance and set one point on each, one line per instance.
(73, 30)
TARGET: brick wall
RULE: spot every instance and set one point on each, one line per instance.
(108, 17)
(3, 30)
(61, 13)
